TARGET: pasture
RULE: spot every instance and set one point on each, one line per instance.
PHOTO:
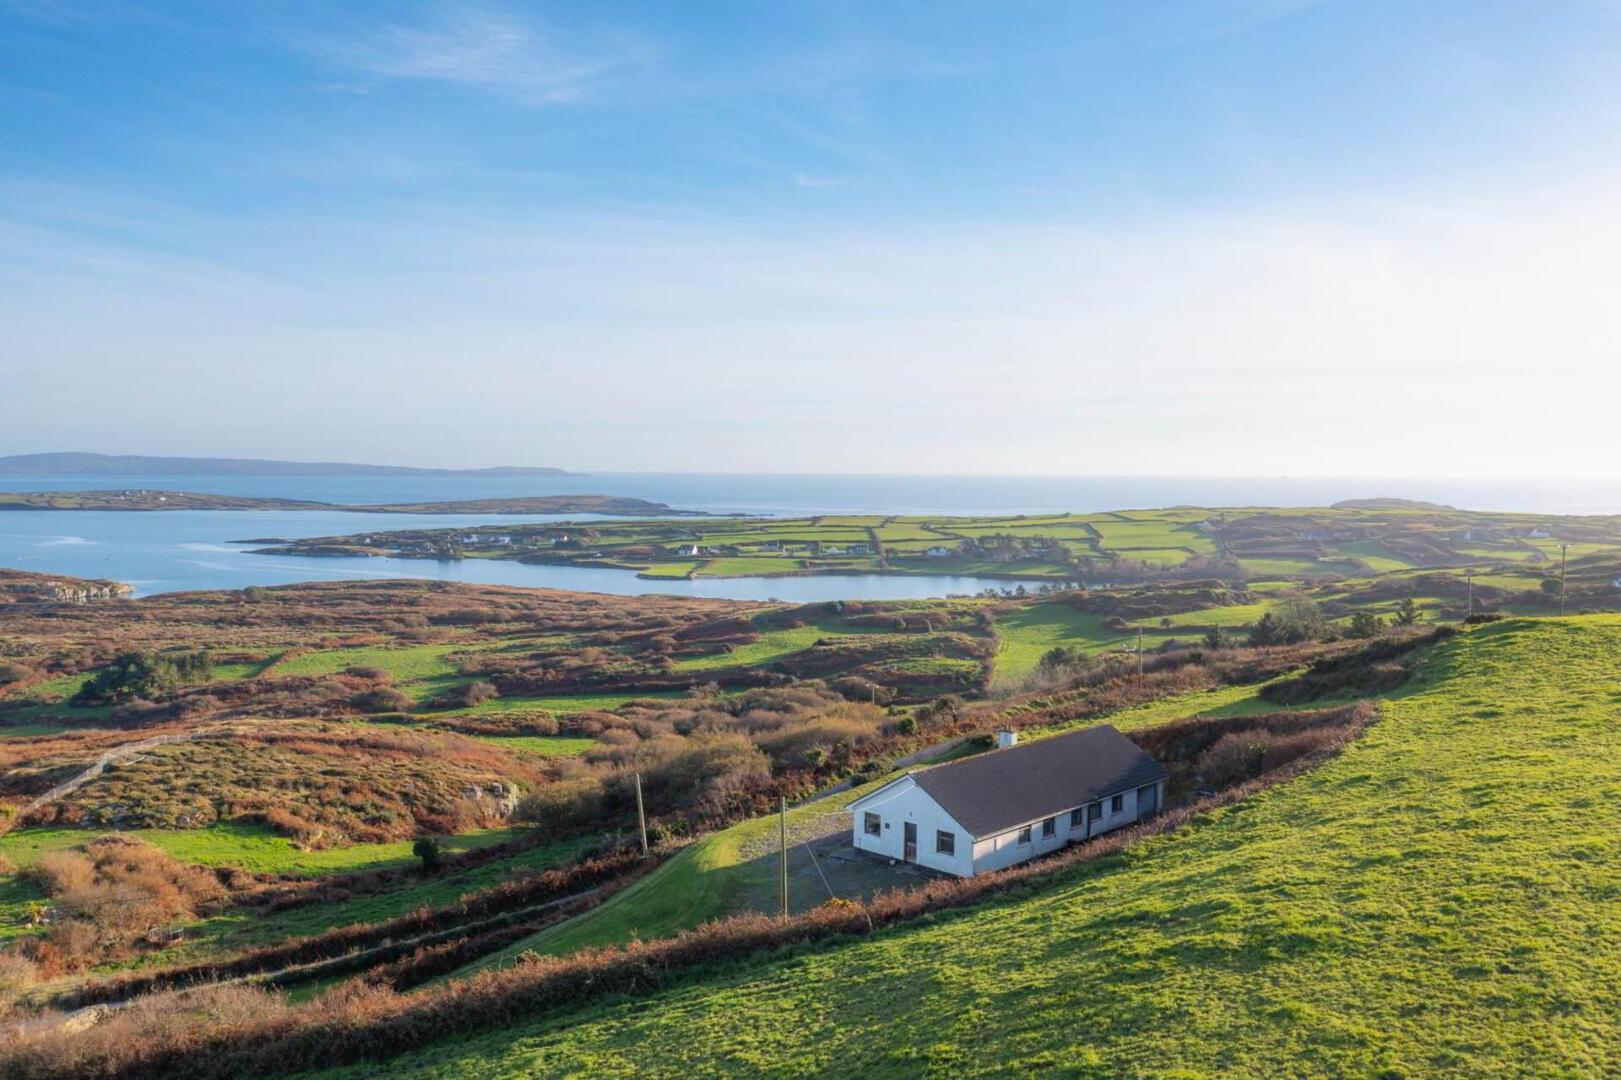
(1432, 903)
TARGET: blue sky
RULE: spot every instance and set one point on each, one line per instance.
(1196, 237)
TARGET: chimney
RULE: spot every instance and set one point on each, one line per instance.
(1006, 738)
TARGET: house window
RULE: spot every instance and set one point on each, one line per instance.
(1077, 817)
(1024, 835)
(1049, 827)
(1094, 811)
(872, 823)
(1117, 804)
(945, 842)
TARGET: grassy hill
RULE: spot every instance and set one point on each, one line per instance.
(1439, 901)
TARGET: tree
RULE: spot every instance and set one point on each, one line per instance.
(1057, 658)
(1299, 619)
(427, 849)
(1365, 624)
(1551, 586)
(1215, 639)
(1407, 612)
(147, 675)
(1266, 631)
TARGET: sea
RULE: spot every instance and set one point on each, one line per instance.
(170, 551)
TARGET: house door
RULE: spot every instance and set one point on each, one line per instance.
(911, 841)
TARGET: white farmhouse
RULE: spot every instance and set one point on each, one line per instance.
(1011, 804)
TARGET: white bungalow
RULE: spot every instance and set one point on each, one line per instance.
(1011, 804)
(937, 552)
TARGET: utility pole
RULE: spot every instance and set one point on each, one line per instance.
(1470, 577)
(1139, 658)
(1564, 551)
(782, 835)
(641, 813)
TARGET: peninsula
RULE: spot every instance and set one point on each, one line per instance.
(83, 464)
(149, 499)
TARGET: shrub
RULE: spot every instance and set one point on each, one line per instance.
(16, 972)
(427, 849)
(382, 699)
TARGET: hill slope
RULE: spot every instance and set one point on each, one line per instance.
(1440, 901)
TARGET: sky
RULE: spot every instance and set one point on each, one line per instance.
(1156, 237)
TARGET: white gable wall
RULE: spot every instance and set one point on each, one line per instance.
(903, 800)
(898, 803)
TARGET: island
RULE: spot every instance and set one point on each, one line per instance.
(151, 499)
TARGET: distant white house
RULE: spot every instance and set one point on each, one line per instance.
(937, 552)
(1011, 804)
(1539, 534)
(1616, 584)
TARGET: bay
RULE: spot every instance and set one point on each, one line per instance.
(175, 550)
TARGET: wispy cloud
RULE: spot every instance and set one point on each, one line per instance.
(490, 50)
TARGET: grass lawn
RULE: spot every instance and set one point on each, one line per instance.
(1439, 901)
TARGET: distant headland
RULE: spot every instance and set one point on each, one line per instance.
(85, 464)
(148, 499)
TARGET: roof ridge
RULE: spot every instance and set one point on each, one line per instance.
(996, 750)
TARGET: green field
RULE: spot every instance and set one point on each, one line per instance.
(1309, 567)
(744, 567)
(20, 731)
(670, 570)
(560, 705)
(1438, 902)
(548, 745)
(251, 847)
(1227, 617)
(1029, 632)
(772, 644)
(413, 664)
(1378, 557)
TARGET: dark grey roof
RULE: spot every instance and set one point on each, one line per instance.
(996, 791)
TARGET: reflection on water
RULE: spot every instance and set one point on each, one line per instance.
(170, 551)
